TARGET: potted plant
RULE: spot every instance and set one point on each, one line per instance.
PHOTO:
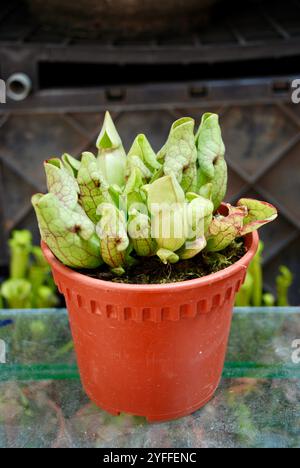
(149, 261)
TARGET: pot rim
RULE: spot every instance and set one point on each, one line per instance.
(251, 242)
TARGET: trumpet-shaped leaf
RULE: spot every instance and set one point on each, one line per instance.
(142, 156)
(112, 231)
(179, 153)
(94, 189)
(269, 300)
(225, 229)
(189, 178)
(61, 183)
(283, 283)
(45, 298)
(133, 195)
(70, 235)
(20, 246)
(157, 175)
(212, 164)
(169, 227)
(39, 258)
(167, 256)
(259, 214)
(256, 271)
(71, 164)
(134, 182)
(192, 248)
(200, 215)
(139, 230)
(248, 216)
(40, 267)
(166, 203)
(206, 191)
(243, 298)
(170, 200)
(165, 190)
(17, 293)
(111, 156)
(135, 163)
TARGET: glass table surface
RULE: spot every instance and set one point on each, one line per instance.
(42, 403)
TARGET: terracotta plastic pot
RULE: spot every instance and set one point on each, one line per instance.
(151, 350)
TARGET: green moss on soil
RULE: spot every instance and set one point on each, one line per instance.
(152, 271)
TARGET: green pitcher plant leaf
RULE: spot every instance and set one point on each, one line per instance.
(248, 216)
(200, 216)
(93, 187)
(112, 232)
(116, 208)
(134, 162)
(211, 152)
(139, 230)
(20, 246)
(61, 183)
(189, 178)
(256, 271)
(111, 153)
(167, 256)
(179, 154)
(133, 196)
(206, 191)
(166, 203)
(169, 227)
(142, 156)
(223, 230)
(70, 235)
(45, 298)
(283, 283)
(192, 248)
(71, 164)
(165, 190)
(259, 214)
(16, 293)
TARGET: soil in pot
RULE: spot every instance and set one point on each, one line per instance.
(153, 271)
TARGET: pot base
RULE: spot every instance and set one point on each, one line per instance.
(160, 417)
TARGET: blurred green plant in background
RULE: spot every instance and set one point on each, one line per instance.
(30, 284)
(252, 292)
